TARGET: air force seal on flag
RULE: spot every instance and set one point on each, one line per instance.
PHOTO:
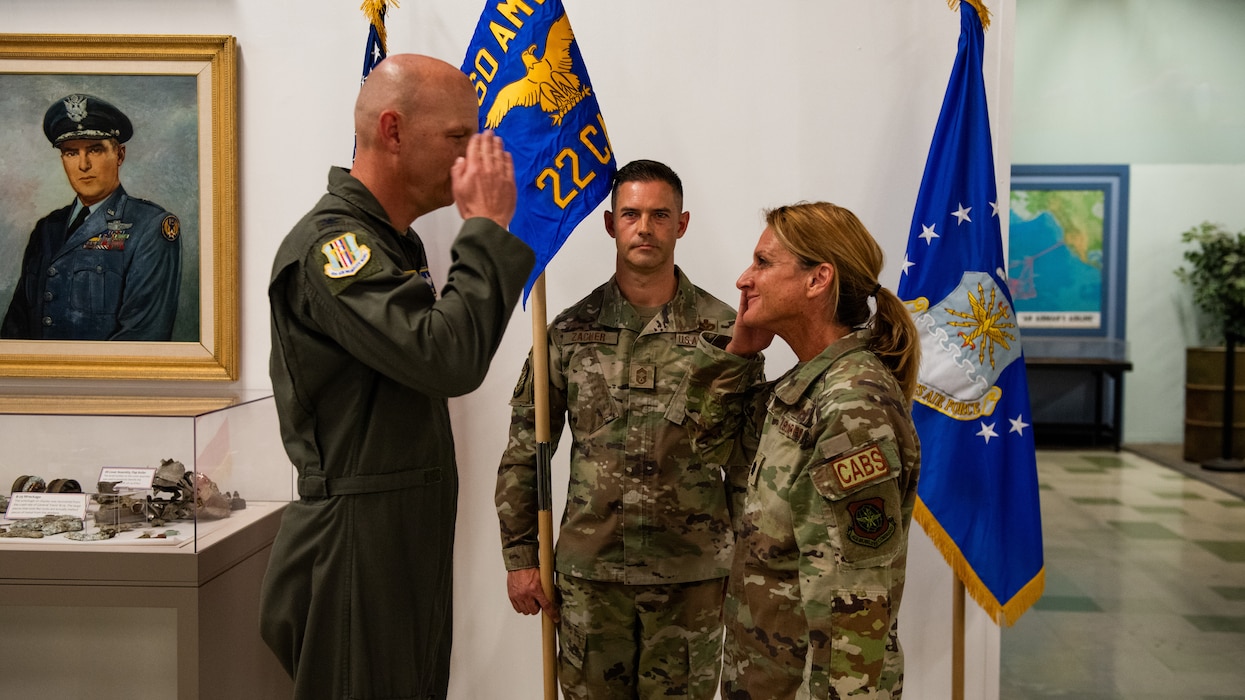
(967, 339)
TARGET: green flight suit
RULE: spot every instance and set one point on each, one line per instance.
(357, 599)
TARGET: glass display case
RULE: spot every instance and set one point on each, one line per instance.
(142, 471)
(154, 590)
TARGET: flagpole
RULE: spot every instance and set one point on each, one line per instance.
(957, 638)
(544, 497)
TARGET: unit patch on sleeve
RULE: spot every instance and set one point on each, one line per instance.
(860, 467)
(870, 526)
(170, 227)
(345, 256)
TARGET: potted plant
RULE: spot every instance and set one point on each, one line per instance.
(1216, 276)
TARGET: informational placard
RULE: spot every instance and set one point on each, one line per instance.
(36, 505)
(138, 478)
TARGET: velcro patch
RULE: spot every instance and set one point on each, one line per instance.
(642, 376)
(860, 467)
(602, 337)
(870, 526)
(345, 256)
(792, 429)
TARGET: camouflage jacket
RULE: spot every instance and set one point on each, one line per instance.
(818, 570)
(640, 508)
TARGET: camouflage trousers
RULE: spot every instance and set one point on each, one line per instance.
(624, 642)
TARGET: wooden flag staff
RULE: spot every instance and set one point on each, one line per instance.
(544, 491)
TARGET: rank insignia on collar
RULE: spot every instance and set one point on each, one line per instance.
(345, 256)
(870, 526)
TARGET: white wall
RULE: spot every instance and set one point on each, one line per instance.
(754, 104)
(1157, 85)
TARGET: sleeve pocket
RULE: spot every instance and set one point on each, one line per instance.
(861, 498)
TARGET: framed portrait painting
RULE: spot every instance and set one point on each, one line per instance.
(118, 207)
(1066, 257)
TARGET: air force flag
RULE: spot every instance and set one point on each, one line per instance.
(978, 497)
(534, 92)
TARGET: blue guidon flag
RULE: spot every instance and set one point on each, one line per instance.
(978, 493)
(534, 92)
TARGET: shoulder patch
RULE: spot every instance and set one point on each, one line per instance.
(860, 467)
(170, 227)
(870, 525)
(345, 256)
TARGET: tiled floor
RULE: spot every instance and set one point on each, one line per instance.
(1145, 586)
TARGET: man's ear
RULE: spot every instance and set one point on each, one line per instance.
(609, 223)
(120, 154)
(390, 130)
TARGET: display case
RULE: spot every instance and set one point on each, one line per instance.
(167, 606)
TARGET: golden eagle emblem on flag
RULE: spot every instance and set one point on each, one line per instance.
(549, 81)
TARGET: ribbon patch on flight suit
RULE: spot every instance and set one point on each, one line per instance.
(170, 227)
(870, 526)
(642, 376)
(860, 467)
(345, 256)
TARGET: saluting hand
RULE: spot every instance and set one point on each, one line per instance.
(747, 340)
(483, 180)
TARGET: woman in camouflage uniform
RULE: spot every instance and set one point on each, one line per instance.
(821, 548)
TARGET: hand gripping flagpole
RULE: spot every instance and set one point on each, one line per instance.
(544, 491)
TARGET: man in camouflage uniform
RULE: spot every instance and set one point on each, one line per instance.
(645, 540)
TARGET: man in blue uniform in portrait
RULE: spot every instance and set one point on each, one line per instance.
(108, 265)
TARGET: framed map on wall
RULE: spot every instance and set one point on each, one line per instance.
(1066, 262)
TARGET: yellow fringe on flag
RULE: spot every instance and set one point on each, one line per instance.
(982, 11)
(371, 10)
(1003, 614)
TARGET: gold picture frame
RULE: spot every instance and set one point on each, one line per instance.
(180, 93)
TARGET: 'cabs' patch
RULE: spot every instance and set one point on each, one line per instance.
(870, 526)
(345, 256)
(860, 467)
(170, 227)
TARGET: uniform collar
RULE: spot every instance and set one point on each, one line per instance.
(791, 387)
(112, 206)
(346, 186)
(677, 316)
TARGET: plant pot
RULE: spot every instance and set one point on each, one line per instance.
(1203, 404)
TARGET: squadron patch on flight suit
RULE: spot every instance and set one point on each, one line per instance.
(170, 227)
(345, 256)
